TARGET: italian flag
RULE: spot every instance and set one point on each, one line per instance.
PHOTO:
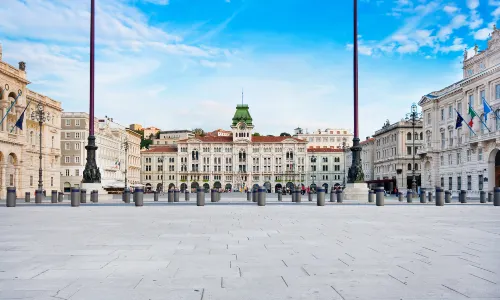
(472, 114)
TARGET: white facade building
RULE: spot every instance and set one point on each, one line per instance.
(367, 158)
(326, 168)
(457, 159)
(171, 137)
(328, 138)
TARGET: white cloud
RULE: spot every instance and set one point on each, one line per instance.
(472, 4)
(450, 9)
(457, 45)
(482, 34)
(457, 22)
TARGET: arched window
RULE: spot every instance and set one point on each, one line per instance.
(409, 167)
(416, 167)
(421, 136)
(408, 137)
(416, 136)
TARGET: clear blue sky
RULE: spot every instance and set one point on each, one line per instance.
(183, 63)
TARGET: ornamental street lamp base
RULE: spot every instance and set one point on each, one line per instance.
(356, 191)
(91, 174)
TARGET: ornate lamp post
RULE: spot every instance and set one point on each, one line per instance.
(356, 171)
(91, 174)
(313, 167)
(125, 147)
(413, 116)
(40, 116)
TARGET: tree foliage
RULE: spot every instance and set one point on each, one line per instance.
(144, 142)
(255, 134)
(199, 132)
(285, 134)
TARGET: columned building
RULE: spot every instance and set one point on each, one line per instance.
(20, 149)
(234, 162)
(458, 159)
(133, 140)
(395, 155)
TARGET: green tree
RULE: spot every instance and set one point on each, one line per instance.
(144, 142)
(199, 131)
(255, 134)
(285, 134)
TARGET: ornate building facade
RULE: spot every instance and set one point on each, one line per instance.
(328, 138)
(231, 162)
(458, 159)
(20, 149)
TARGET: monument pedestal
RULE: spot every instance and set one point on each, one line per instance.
(103, 195)
(356, 191)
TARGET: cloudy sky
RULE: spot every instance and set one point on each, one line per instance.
(179, 64)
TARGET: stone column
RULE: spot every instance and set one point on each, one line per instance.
(3, 174)
(17, 179)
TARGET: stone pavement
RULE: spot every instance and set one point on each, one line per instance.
(242, 251)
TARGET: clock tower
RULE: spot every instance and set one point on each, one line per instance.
(242, 126)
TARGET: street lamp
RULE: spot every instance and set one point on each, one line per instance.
(413, 116)
(40, 116)
(313, 167)
(125, 147)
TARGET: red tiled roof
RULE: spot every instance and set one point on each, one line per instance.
(255, 139)
(366, 141)
(274, 139)
(323, 150)
(159, 149)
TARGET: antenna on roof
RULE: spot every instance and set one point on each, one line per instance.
(241, 96)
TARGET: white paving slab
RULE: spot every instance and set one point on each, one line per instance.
(242, 251)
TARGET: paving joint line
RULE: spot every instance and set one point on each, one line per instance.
(396, 279)
(284, 281)
(343, 262)
(284, 263)
(482, 278)
(455, 291)
(337, 292)
(406, 269)
(303, 269)
(138, 282)
(482, 269)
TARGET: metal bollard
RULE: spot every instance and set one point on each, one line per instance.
(292, 192)
(482, 197)
(379, 193)
(298, 196)
(320, 196)
(200, 197)
(422, 197)
(155, 196)
(126, 195)
(254, 194)
(462, 197)
(371, 196)
(170, 195)
(249, 195)
(139, 196)
(187, 196)
(409, 196)
(53, 196)
(83, 196)
(176, 195)
(439, 196)
(213, 195)
(400, 197)
(310, 196)
(27, 197)
(280, 196)
(11, 196)
(75, 197)
(496, 196)
(94, 196)
(38, 196)
(60, 197)
(340, 196)
(490, 196)
(333, 196)
(262, 197)
(447, 197)
(430, 197)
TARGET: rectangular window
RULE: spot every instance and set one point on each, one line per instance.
(482, 95)
(77, 172)
(450, 112)
(67, 122)
(77, 135)
(68, 135)
(77, 122)
(428, 118)
(469, 182)
(479, 154)
(450, 183)
(67, 159)
(51, 181)
(442, 160)
(459, 158)
(77, 159)
(77, 146)
(443, 140)
(66, 146)
(497, 91)
(442, 114)
(459, 183)
(480, 182)
(471, 100)
(31, 180)
(468, 155)
(67, 172)
(459, 107)
(408, 150)
(442, 181)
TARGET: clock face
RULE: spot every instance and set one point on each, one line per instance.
(243, 126)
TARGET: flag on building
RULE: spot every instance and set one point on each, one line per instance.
(19, 123)
(459, 121)
(487, 109)
(472, 114)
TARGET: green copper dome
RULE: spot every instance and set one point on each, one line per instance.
(242, 115)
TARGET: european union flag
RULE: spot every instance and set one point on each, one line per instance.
(19, 123)
(459, 121)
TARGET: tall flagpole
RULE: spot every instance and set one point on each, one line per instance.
(355, 174)
(91, 173)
